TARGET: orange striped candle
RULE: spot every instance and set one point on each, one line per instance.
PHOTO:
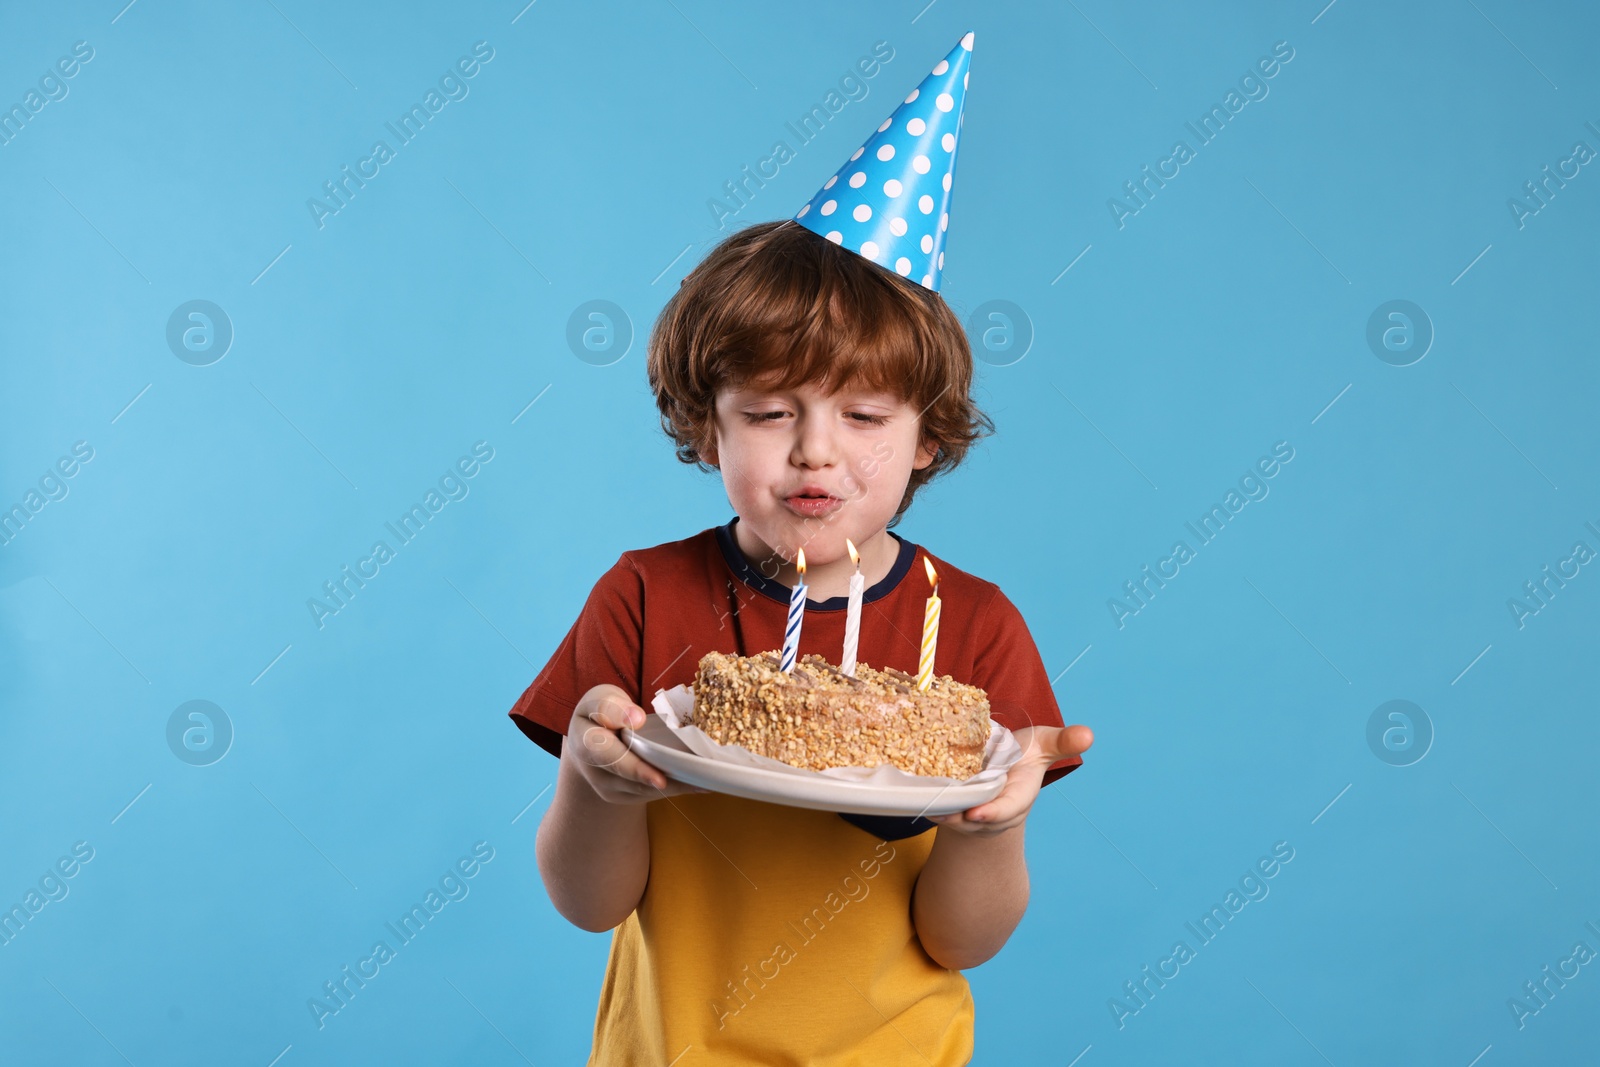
(930, 629)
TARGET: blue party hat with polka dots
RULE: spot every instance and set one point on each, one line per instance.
(890, 202)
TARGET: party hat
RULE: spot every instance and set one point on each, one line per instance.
(891, 200)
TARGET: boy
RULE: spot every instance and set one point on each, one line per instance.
(826, 390)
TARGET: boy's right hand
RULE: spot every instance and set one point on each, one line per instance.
(603, 759)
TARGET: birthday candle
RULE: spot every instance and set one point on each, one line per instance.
(852, 618)
(930, 629)
(797, 612)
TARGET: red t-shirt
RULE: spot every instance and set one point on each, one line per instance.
(657, 611)
(771, 934)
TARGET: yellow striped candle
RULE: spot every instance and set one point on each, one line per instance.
(930, 629)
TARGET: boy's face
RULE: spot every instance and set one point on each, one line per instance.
(807, 470)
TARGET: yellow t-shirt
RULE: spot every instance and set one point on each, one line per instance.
(800, 923)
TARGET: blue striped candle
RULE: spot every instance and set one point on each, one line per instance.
(797, 614)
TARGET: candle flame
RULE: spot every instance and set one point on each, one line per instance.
(802, 563)
(855, 557)
(933, 575)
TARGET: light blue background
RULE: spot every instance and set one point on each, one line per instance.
(1224, 317)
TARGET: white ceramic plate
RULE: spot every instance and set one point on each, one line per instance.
(656, 744)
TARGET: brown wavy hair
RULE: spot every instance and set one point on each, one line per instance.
(777, 299)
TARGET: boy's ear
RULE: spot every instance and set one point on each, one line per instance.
(926, 452)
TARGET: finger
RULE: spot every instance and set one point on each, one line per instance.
(603, 749)
(615, 714)
(998, 808)
(674, 787)
(602, 744)
(1011, 802)
(959, 822)
(640, 771)
(599, 746)
(1052, 743)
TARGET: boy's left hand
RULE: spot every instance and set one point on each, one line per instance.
(1041, 746)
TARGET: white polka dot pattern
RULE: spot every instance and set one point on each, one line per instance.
(911, 159)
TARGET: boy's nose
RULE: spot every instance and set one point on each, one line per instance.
(815, 444)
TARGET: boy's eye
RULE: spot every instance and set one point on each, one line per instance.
(769, 416)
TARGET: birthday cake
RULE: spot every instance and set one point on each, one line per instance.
(817, 717)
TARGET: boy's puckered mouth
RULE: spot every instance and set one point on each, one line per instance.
(809, 490)
(812, 501)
